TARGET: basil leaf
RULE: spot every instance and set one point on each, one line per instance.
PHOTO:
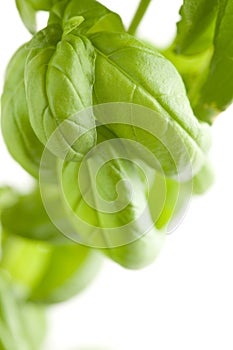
(22, 326)
(27, 14)
(28, 8)
(28, 218)
(140, 253)
(195, 31)
(111, 205)
(193, 69)
(47, 273)
(60, 67)
(163, 200)
(204, 179)
(97, 17)
(18, 134)
(70, 270)
(217, 92)
(43, 5)
(141, 75)
(8, 196)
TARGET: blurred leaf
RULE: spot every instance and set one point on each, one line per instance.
(8, 196)
(28, 218)
(204, 179)
(47, 273)
(22, 325)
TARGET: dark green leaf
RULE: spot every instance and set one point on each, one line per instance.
(217, 92)
(195, 31)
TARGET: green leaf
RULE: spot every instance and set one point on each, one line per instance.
(140, 253)
(135, 73)
(217, 92)
(195, 31)
(204, 179)
(18, 134)
(28, 14)
(97, 17)
(46, 273)
(193, 69)
(59, 77)
(43, 5)
(163, 200)
(107, 195)
(28, 8)
(70, 270)
(8, 196)
(28, 218)
(22, 326)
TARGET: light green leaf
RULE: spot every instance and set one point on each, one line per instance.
(163, 200)
(193, 69)
(18, 134)
(70, 270)
(59, 77)
(28, 8)
(135, 73)
(46, 273)
(107, 195)
(28, 14)
(140, 253)
(28, 218)
(22, 326)
(204, 179)
(97, 17)
(8, 196)
(217, 92)
(195, 31)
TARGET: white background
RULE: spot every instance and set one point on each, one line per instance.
(185, 299)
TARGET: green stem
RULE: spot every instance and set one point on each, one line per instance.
(141, 10)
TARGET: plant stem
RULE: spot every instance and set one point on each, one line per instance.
(141, 10)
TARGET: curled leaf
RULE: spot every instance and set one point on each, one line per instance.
(59, 76)
(97, 16)
(106, 198)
